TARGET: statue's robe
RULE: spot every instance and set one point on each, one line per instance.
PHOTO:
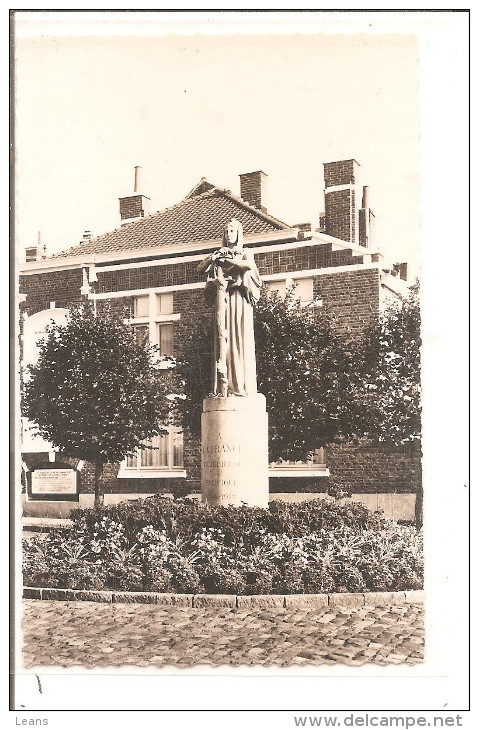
(236, 293)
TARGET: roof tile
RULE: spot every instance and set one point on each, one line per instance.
(200, 216)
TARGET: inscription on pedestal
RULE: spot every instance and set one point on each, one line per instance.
(234, 451)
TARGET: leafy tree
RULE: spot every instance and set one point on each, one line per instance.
(95, 393)
(390, 383)
(320, 386)
(391, 354)
(304, 369)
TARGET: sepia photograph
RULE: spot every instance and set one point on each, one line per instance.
(221, 339)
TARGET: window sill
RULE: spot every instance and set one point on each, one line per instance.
(298, 471)
(125, 473)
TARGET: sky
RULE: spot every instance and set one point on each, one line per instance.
(91, 107)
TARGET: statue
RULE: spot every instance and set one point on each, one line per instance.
(233, 286)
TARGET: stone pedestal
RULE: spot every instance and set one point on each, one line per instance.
(234, 451)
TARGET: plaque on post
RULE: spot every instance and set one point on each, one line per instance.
(57, 483)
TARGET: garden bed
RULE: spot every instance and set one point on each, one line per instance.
(167, 546)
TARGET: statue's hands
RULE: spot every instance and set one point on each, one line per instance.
(223, 254)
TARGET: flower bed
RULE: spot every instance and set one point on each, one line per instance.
(183, 546)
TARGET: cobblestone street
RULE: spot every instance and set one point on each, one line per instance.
(93, 634)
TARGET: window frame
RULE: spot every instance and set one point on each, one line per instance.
(154, 319)
(155, 472)
(307, 468)
(152, 322)
(289, 280)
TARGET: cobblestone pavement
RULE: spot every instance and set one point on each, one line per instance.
(94, 634)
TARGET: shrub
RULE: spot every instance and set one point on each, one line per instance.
(188, 547)
(186, 518)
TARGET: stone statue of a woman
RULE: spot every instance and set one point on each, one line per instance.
(233, 286)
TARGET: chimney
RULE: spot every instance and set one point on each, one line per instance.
(253, 186)
(366, 221)
(87, 235)
(31, 253)
(136, 206)
(340, 180)
(38, 252)
(401, 269)
(303, 229)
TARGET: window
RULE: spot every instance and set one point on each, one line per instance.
(164, 459)
(303, 288)
(141, 307)
(315, 466)
(164, 303)
(278, 286)
(153, 320)
(165, 339)
(141, 332)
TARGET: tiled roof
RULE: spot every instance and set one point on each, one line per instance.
(198, 217)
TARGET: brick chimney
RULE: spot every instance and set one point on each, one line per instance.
(253, 186)
(341, 218)
(134, 206)
(366, 221)
(401, 269)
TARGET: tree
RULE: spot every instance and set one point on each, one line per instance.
(96, 393)
(390, 383)
(321, 386)
(391, 372)
(304, 368)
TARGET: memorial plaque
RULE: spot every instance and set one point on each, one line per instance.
(54, 481)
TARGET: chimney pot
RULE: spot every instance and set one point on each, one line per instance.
(365, 196)
(136, 188)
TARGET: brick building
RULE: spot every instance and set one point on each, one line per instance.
(148, 268)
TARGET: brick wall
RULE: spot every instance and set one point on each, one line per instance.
(62, 287)
(351, 296)
(268, 262)
(376, 468)
(340, 214)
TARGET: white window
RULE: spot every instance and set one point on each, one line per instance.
(141, 332)
(278, 286)
(163, 452)
(141, 306)
(165, 338)
(164, 303)
(153, 320)
(315, 466)
(303, 288)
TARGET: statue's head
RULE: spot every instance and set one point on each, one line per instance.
(233, 234)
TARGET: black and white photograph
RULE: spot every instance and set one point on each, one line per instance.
(233, 461)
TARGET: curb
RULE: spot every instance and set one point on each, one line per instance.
(204, 600)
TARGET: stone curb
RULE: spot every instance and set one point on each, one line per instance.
(295, 600)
